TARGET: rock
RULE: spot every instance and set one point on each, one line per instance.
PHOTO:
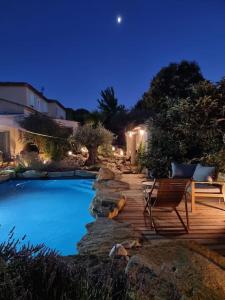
(174, 270)
(85, 173)
(4, 177)
(105, 174)
(61, 174)
(33, 174)
(113, 185)
(131, 244)
(118, 250)
(103, 234)
(107, 204)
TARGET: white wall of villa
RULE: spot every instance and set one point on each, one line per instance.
(10, 143)
(56, 111)
(67, 123)
(26, 95)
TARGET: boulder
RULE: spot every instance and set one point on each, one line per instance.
(107, 204)
(103, 234)
(112, 185)
(4, 177)
(61, 174)
(118, 250)
(32, 174)
(85, 173)
(105, 174)
(174, 270)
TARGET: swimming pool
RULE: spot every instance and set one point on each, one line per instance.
(53, 212)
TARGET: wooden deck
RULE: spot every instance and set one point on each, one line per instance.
(207, 224)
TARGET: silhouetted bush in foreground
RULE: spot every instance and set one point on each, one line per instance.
(36, 272)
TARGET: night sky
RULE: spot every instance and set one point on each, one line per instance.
(74, 49)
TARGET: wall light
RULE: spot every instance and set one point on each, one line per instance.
(84, 149)
(121, 152)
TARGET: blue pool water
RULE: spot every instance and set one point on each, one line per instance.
(53, 212)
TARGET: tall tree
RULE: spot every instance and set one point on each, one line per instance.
(113, 114)
(187, 129)
(108, 104)
(174, 82)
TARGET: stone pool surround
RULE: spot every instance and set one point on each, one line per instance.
(112, 190)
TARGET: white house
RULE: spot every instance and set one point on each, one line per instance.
(18, 99)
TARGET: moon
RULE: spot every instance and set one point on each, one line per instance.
(119, 19)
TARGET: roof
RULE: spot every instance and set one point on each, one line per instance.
(25, 84)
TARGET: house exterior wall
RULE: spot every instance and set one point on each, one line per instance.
(23, 96)
(67, 123)
(8, 123)
(16, 94)
(19, 101)
(35, 101)
(10, 108)
(55, 111)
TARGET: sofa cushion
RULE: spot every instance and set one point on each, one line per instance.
(182, 170)
(203, 173)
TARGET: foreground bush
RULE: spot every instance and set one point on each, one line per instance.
(36, 272)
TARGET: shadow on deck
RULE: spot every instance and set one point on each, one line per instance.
(207, 223)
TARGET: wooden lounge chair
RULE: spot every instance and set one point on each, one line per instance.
(168, 193)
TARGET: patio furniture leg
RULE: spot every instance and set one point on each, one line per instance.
(186, 211)
(150, 214)
(146, 206)
(181, 220)
(192, 196)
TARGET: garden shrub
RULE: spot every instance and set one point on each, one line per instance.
(56, 142)
(29, 161)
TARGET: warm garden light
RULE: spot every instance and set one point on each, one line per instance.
(70, 153)
(113, 148)
(142, 131)
(130, 133)
(121, 152)
(84, 149)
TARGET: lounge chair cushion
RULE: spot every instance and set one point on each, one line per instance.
(182, 170)
(203, 173)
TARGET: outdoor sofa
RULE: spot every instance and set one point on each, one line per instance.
(204, 182)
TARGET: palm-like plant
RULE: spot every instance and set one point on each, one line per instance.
(108, 104)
